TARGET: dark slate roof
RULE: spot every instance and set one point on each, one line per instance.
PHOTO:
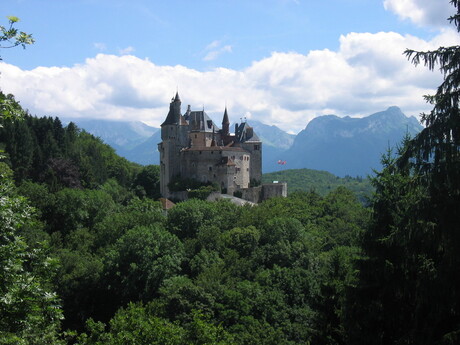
(242, 133)
(170, 119)
(200, 121)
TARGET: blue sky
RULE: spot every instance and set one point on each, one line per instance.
(281, 62)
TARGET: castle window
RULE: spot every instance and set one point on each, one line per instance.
(200, 152)
(195, 136)
(256, 147)
(212, 152)
(210, 168)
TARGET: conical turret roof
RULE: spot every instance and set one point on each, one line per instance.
(225, 119)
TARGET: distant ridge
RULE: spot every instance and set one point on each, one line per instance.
(349, 146)
(133, 140)
(340, 145)
(275, 142)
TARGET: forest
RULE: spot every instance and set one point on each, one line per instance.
(88, 256)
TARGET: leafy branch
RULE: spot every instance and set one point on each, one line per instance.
(11, 37)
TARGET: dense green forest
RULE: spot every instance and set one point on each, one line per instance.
(87, 256)
(203, 273)
(322, 182)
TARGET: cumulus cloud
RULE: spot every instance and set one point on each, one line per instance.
(368, 73)
(432, 13)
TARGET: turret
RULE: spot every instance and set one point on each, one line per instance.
(174, 114)
(225, 124)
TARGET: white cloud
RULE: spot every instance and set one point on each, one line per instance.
(432, 13)
(213, 45)
(100, 46)
(126, 51)
(367, 74)
(214, 50)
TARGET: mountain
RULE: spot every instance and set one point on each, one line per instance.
(275, 143)
(349, 146)
(144, 153)
(272, 136)
(137, 141)
(133, 140)
(341, 146)
(118, 134)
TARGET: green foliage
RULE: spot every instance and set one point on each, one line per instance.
(178, 184)
(141, 260)
(75, 209)
(238, 194)
(29, 309)
(137, 324)
(11, 37)
(411, 248)
(186, 218)
(148, 180)
(133, 325)
(244, 241)
(322, 182)
(42, 150)
(202, 192)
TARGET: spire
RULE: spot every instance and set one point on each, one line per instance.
(174, 115)
(225, 123)
(225, 120)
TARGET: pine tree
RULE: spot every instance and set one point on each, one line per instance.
(409, 288)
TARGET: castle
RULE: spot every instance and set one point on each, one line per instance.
(194, 147)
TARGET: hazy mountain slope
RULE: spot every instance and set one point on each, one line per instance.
(272, 135)
(342, 146)
(349, 146)
(118, 134)
(144, 153)
(275, 143)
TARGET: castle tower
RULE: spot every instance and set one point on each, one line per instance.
(172, 142)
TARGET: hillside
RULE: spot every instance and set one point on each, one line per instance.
(133, 140)
(322, 182)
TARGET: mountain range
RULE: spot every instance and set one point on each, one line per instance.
(340, 145)
(349, 146)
